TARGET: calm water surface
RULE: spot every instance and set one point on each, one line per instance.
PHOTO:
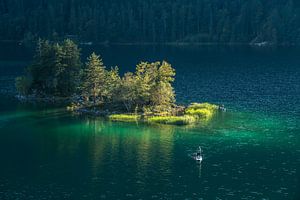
(250, 152)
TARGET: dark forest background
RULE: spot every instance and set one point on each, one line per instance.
(159, 21)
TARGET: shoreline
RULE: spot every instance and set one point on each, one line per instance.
(191, 114)
(188, 115)
(46, 99)
(175, 44)
(194, 113)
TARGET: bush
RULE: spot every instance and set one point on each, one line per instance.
(173, 120)
(124, 117)
(201, 110)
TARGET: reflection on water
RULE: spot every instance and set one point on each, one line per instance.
(250, 152)
(245, 156)
(200, 169)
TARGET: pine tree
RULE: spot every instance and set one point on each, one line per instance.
(128, 92)
(42, 71)
(55, 69)
(150, 20)
(163, 95)
(154, 89)
(145, 80)
(71, 65)
(93, 80)
(113, 82)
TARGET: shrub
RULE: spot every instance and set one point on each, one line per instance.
(173, 120)
(124, 117)
(201, 110)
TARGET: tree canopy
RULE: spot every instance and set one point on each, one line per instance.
(54, 70)
(220, 21)
(57, 71)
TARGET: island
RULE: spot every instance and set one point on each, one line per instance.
(146, 95)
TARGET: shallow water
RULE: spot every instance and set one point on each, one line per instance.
(250, 152)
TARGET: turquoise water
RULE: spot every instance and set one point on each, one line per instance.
(250, 152)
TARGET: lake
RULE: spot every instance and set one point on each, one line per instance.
(250, 152)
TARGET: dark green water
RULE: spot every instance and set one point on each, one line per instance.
(250, 152)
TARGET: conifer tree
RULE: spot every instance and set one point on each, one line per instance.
(129, 91)
(163, 95)
(93, 81)
(55, 69)
(113, 82)
(71, 65)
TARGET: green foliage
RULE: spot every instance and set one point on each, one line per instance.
(195, 113)
(113, 82)
(154, 86)
(124, 117)
(97, 82)
(163, 95)
(23, 84)
(147, 92)
(70, 63)
(172, 120)
(128, 91)
(55, 68)
(202, 110)
(152, 20)
(93, 79)
(150, 87)
(145, 79)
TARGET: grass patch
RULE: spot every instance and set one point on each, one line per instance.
(201, 110)
(124, 117)
(172, 120)
(196, 112)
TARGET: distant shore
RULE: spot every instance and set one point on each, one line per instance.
(90, 43)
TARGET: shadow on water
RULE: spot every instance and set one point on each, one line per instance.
(79, 155)
(250, 152)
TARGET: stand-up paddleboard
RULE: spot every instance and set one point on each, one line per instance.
(198, 155)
